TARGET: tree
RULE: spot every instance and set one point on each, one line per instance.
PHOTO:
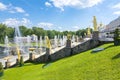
(50, 34)
(65, 32)
(10, 32)
(38, 31)
(117, 37)
(3, 29)
(23, 30)
(29, 31)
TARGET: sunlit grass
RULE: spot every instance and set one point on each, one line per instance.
(103, 65)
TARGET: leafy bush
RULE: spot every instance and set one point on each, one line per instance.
(1, 69)
(117, 37)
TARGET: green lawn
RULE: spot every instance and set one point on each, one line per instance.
(103, 65)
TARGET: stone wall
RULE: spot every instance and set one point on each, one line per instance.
(84, 46)
(60, 54)
(65, 52)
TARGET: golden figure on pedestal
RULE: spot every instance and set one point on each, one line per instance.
(68, 36)
(95, 24)
(88, 31)
(48, 44)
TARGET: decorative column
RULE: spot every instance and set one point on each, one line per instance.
(68, 43)
(47, 55)
(7, 64)
(95, 35)
(31, 57)
(68, 46)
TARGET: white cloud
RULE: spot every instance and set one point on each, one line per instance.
(26, 14)
(2, 7)
(117, 13)
(19, 9)
(116, 6)
(25, 21)
(45, 25)
(60, 28)
(48, 4)
(13, 22)
(12, 9)
(76, 28)
(74, 3)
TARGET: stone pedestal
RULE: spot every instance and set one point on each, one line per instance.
(68, 44)
(47, 55)
(7, 64)
(47, 51)
(31, 57)
(81, 39)
(17, 62)
(95, 35)
(40, 50)
(88, 36)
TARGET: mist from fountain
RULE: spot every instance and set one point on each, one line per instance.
(44, 44)
(19, 40)
(36, 42)
(6, 50)
(73, 39)
(28, 43)
(55, 42)
(58, 41)
(64, 39)
(61, 42)
(41, 43)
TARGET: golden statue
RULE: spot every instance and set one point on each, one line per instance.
(88, 31)
(48, 44)
(68, 36)
(95, 24)
(18, 53)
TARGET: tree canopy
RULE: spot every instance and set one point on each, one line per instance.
(9, 31)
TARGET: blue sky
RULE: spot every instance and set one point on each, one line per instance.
(58, 14)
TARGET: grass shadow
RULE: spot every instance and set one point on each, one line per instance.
(92, 52)
(46, 65)
(28, 64)
(101, 49)
(116, 56)
(109, 46)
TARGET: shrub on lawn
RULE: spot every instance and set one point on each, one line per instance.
(1, 69)
(117, 37)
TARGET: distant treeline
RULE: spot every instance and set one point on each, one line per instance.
(9, 31)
